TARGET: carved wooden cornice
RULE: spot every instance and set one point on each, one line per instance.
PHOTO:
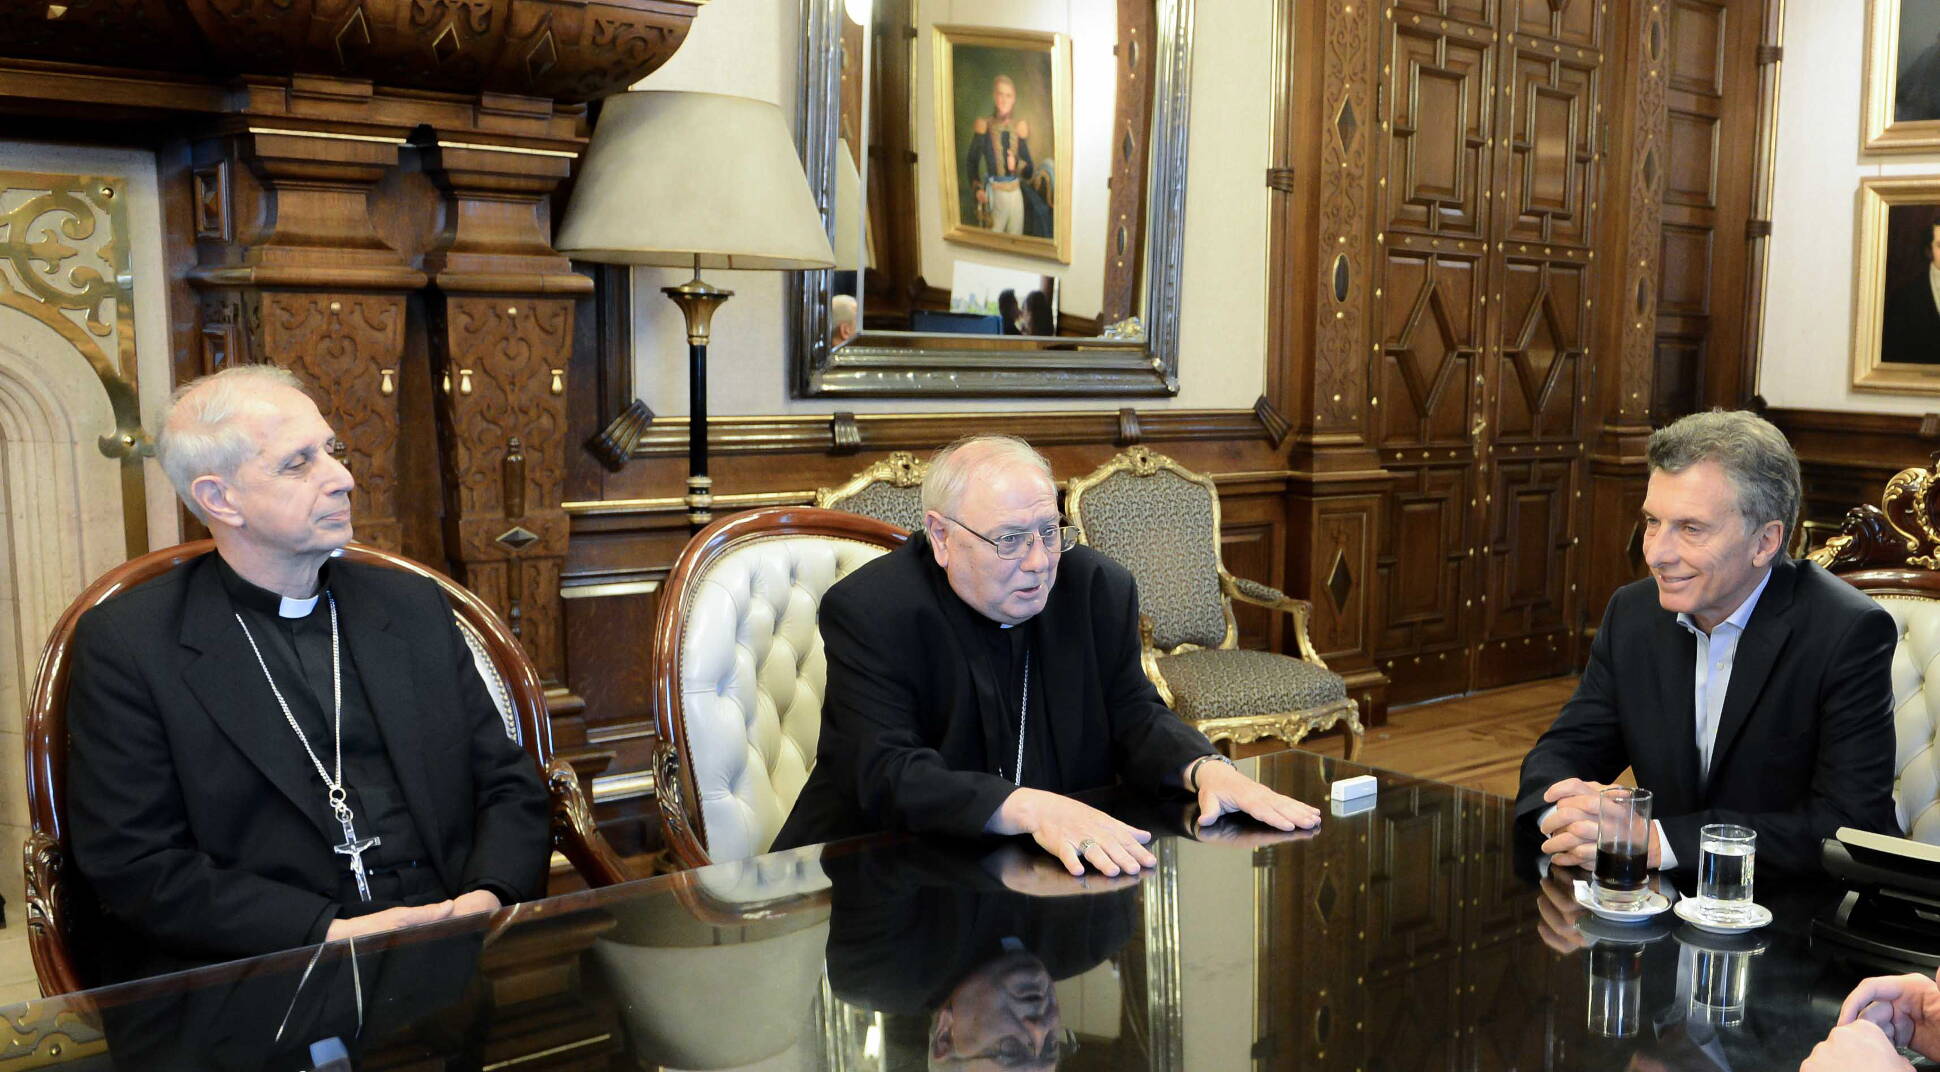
(564, 50)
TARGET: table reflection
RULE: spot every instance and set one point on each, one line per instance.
(1412, 933)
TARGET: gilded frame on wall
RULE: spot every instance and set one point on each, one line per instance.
(1902, 107)
(1896, 316)
(1047, 56)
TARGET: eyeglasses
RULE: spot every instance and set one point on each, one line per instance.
(1013, 1052)
(1056, 539)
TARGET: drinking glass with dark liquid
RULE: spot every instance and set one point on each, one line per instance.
(1623, 847)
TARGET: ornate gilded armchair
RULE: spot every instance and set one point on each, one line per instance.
(1891, 552)
(62, 915)
(890, 490)
(1161, 521)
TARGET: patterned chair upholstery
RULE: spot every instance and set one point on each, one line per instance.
(738, 672)
(1892, 553)
(1161, 521)
(890, 490)
(60, 914)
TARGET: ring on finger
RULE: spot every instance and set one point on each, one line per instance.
(1087, 845)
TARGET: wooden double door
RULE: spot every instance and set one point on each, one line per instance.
(1491, 123)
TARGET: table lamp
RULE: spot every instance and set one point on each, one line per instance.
(678, 179)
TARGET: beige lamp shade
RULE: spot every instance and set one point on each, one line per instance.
(697, 180)
(855, 247)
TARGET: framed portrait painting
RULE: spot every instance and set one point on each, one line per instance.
(1003, 135)
(1896, 321)
(1902, 75)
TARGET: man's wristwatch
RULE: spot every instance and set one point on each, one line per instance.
(1192, 771)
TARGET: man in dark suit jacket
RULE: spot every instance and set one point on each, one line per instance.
(1911, 332)
(988, 667)
(1739, 686)
(215, 713)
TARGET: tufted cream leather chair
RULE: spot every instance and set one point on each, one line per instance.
(739, 672)
(1888, 552)
(754, 930)
(1916, 713)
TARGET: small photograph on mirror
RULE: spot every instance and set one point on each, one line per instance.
(1015, 302)
(1003, 111)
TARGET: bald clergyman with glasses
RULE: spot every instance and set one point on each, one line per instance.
(988, 668)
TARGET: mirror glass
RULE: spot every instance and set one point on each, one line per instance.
(984, 165)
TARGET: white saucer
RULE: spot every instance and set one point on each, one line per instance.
(1654, 903)
(1688, 911)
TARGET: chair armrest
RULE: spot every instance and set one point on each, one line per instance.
(574, 832)
(1261, 595)
(1148, 659)
(46, 926)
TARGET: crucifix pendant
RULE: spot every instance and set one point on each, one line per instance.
(355, 849)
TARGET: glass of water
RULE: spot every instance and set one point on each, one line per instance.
(1725, 857)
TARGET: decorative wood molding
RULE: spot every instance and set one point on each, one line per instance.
(613, 444)
(1129, 432)
(1341, 340)
(1636, 314)
(571, 50)
(667, 437)
(1276, 424)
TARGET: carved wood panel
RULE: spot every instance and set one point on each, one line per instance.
(1488, 191)
(346, 348)
(502, 411)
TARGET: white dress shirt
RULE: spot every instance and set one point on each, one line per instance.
(1716, 652)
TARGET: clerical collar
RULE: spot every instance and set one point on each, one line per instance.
(246, 594)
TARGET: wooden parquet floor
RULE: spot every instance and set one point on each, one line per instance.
(1476, 741)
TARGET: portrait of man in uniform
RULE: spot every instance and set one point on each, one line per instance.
(1003, 126)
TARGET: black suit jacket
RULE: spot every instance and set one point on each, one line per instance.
(1805, 743)
(1911, 331)
(193, 811)
(914, 710)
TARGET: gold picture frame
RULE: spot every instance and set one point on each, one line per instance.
(1895, 313)
(1040, 59)
(1892, 124)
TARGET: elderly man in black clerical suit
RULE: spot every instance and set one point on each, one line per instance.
(269, 749)
(988, 667)
(1740, 686)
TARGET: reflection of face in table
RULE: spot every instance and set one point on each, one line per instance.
(962, 965)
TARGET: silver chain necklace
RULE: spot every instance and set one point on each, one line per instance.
(352, 846)
(1023, 720)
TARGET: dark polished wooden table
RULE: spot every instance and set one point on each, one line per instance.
(1398, 937)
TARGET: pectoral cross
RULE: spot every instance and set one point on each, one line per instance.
(355, 849)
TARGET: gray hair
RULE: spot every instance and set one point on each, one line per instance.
(952, 467)
(1752, 453)
(199, 436)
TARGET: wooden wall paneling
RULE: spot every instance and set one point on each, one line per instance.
(291, 272)
(1846, 458)
(1252, 533)
(1710, 74)
(1440, 74)
(1637, 152)
(1538, 376)
(889, 288)
(1321, 249)
(501, 320)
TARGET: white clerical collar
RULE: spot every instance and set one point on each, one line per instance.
(297, 608)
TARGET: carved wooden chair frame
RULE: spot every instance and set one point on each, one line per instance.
(49, 914)
(901, 469)
(681, 820)
(1288, 726)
